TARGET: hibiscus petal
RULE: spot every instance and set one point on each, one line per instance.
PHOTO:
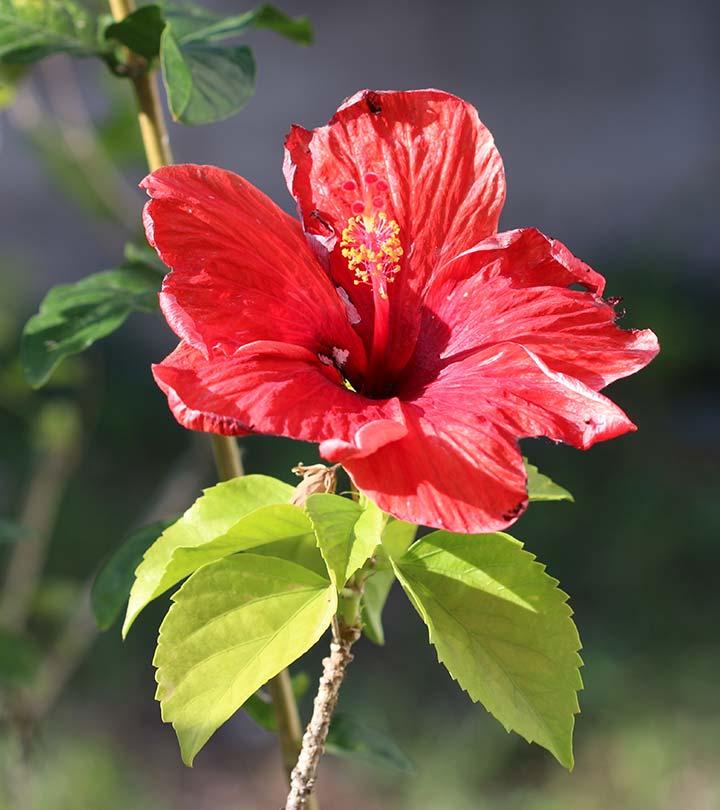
(275, 388)
(445, 188)
(459, 467)
(464, 477)
(241, 268)
(516, 287)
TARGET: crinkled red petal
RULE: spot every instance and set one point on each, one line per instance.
(275, 388)
(241, 268)
(445, 189)
(516, 287)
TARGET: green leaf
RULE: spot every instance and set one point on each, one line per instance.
(140, 31)
(228, 517)
(19, 658)
(205, 82)
(74, 316)
(346, 533)
(30, 30)
(348, 737)
(503, 630)
(396, 537)
(542, 488)
(191, 23)
(234, 625)
(112, 585)
(11, 532)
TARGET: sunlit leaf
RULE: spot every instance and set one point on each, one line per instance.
(229, 517)
(111, 588)
(502, 628)
(234, 625)
(74, 316)
(346, 533)
(396, 537)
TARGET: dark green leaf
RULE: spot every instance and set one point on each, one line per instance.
(30, 30)
(205, 82)
(191, 23)
(111, 588)
(19, 658)
(73, 316)
(139, 31)
(349, 738)
(542, 488)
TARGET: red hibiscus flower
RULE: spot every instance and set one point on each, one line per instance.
(393, 325)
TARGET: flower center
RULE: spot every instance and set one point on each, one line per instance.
(371, 245)
(372, 248)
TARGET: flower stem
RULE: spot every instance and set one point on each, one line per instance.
(346, 631)
(227, 457)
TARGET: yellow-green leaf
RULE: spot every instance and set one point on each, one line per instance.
(502, 628)
(229, 517)
(232, 627)
(346, 533)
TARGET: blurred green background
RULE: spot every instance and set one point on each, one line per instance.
(616, 156)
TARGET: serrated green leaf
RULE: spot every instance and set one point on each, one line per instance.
(111, 588)
(542, 488)
(346, 533)
(30, 30)
(19, 658)
(140, 31)
(205, 82)
(228, 517)
(74, 316)
(234, 625)
(396, 537)
(348, 737)
(192, 23)
(503, 630)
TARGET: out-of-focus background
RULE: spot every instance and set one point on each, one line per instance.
(607, 117)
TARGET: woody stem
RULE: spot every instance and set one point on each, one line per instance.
(156, 143)
(345, 632)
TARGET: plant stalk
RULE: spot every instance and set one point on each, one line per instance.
(346, 631)
(225, 450)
